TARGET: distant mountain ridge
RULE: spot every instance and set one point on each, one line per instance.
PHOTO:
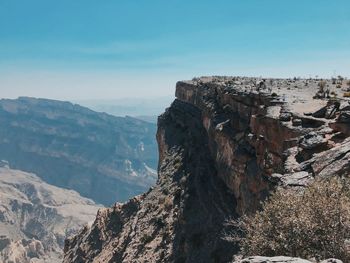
(141, 108)
(103, 157)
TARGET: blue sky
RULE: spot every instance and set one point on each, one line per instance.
(108, 49)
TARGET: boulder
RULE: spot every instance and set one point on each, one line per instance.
(285, 116)
(344, 117)
(312, 140)
(342, 123)
(297, 122)
(320, 113)
(301, 178)
(329, 111)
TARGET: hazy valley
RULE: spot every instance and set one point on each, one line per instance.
(67, 152)
(102, 157)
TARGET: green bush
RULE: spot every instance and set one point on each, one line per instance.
(314, 223)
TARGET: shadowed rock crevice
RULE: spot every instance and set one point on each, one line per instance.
(181, 218)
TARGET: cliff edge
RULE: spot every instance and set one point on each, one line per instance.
(224, 144)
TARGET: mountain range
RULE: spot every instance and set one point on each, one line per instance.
(103, 157)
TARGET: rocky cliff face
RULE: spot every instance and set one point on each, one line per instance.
(36, 218)
(103, 157)
(224, 144)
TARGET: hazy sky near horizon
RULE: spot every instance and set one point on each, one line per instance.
(109, 49)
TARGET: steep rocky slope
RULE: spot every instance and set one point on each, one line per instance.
(35, 217)
(258, 259)
(103, 157)
(224, 144)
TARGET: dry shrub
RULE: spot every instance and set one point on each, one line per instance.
(312, 223)
(346, 94)
(321, 86)
(168, 204)
(322, 92)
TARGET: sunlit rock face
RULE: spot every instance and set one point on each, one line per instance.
(103, 157)
(267, 132)
(224, 144)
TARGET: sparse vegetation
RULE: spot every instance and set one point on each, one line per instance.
(177, 163)
(159, 222)
(321, 85)
(168, 204)
(312, 223)
(161, 200)
(322, 92)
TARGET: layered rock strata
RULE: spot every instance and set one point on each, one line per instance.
(224, 144)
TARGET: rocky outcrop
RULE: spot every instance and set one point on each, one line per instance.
(179, 219)
(224, 144)
(259, 138)
(36, 218)
(103, 157)
(27, 251)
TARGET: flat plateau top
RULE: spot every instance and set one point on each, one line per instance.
(298, 94)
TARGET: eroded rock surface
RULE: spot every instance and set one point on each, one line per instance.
(179, 219)
(224, 144)
(36, 218)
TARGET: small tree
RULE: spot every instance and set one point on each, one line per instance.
(311, 223)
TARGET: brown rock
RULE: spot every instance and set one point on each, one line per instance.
(223, 148)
